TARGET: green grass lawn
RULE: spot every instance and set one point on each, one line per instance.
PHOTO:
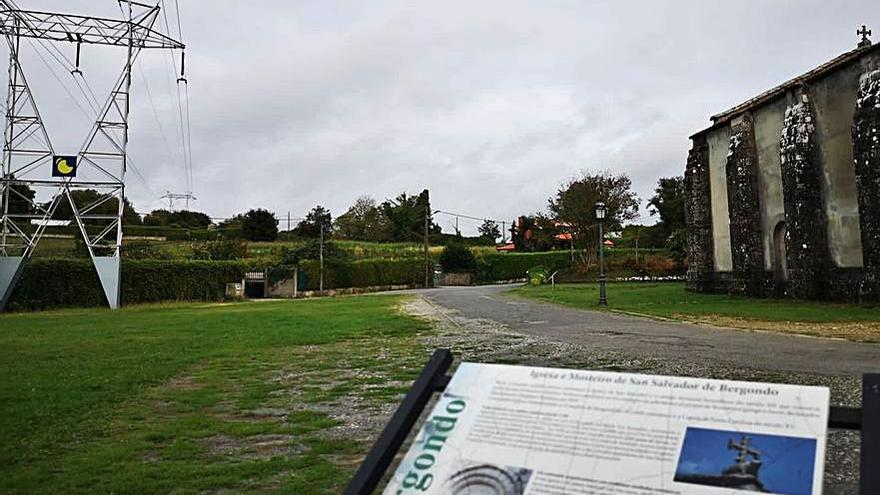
(671, 300)
(196, 397)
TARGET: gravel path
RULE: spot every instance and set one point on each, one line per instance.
(481, 324)
(697, 344)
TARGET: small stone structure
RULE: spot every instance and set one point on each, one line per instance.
(783, 190)
(457, 279)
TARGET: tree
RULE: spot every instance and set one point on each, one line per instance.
(364, 221)
(668, 201)
(534, 233)
(87, 197)
(574, 205)
(18, 205)
(645, 236)
(406, 217)
(179, 219)
(676, 243)
(315, 219)
(457, 258)
(231, 227)
(490, 230)
(259, 225)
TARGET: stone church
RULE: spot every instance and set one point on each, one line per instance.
(783, 190)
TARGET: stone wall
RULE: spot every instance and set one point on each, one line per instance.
(866, 157)
(698, 214)
(744, 207)
(806, 239)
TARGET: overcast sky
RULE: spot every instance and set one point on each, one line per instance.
(489, 104)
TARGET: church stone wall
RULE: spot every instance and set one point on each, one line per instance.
(698, 214)
(718, 143)
(806, 242)
(866, 151)
(833, 98)
(768, 126)
(744, 206)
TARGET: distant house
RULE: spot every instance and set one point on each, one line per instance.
(504, 248)
(567, 237)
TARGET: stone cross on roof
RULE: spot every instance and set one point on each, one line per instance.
(864, 33)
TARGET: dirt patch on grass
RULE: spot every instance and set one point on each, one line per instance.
(250, 447)
(183, 383)
(857, 331)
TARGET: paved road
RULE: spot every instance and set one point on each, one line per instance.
(642, 336)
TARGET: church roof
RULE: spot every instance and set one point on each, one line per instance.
(766, 96)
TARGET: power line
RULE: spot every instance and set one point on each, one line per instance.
(185, 133)
(188, 135)
(179, 30)
(156, 113)
(54, 75)
(468, 217)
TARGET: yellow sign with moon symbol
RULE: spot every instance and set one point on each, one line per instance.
(64, 166)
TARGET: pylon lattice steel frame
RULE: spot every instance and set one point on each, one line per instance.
(28, 150)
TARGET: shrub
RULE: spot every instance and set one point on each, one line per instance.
(311, 250)
(657, 266)
(222, 250)
(361, 273)
(457, 258)
(144, 250)
(537, 276)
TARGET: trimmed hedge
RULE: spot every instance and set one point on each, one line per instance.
(510, 266)
(362, 273)
(59, 283)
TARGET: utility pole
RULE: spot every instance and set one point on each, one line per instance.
(427, 262)
(321, 257)
(503, 232)
(638, 231)
(288, 225)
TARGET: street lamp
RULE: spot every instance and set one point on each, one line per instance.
(428, 214)
(600, 216)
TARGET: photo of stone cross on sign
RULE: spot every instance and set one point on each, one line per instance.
(742, 467)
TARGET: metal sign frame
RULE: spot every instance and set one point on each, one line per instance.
(434, 379)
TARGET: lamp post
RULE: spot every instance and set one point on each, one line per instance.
(600, 216)
(428, 214)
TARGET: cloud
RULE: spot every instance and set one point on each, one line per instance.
(489, 104)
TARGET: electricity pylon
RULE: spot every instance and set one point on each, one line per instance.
(101, 163)
(170, 196)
